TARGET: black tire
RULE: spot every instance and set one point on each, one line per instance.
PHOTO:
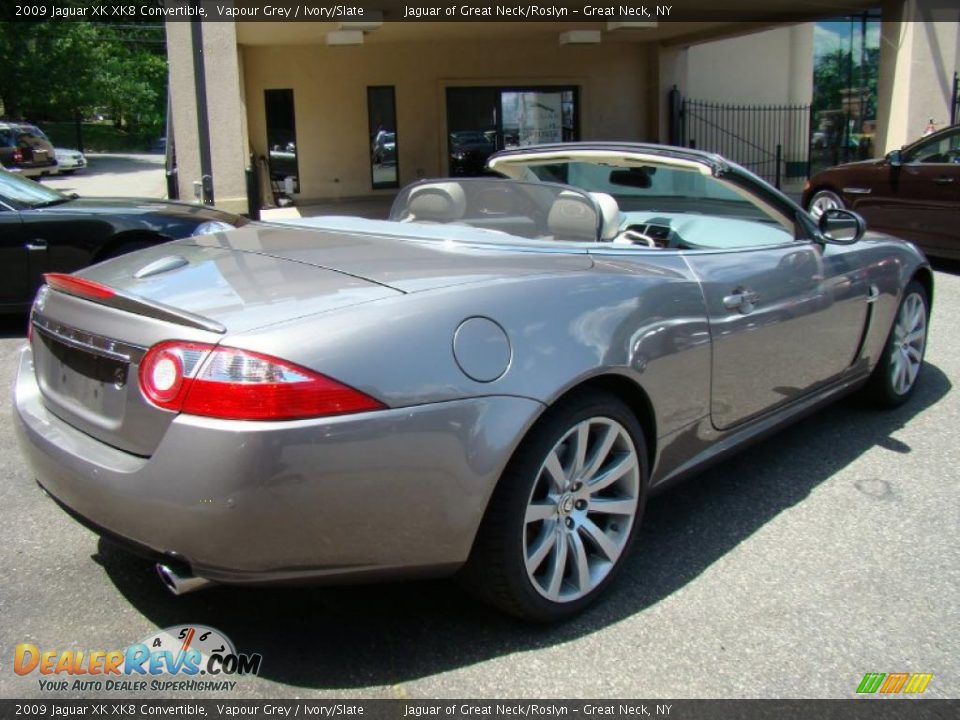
(497, 568)
(882, 389)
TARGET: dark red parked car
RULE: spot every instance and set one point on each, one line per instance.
(913, 193)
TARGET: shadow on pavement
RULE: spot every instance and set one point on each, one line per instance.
(373, 635)
(945, 266)
(13, 325)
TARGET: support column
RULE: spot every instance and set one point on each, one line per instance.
(919, 52)
(226, 114)
(671, 70)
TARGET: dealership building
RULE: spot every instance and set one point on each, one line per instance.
(355, 109)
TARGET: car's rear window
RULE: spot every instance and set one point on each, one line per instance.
(7, 138)
(30, 138)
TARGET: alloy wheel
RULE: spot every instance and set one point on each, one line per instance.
(581, 509)
(909, 342)
(823, 201)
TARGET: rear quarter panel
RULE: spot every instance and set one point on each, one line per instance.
(640, 319)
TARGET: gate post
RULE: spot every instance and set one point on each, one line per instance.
(955, 101)
(253, 189)
(779, 159)
(675, 110)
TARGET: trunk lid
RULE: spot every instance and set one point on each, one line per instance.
(87, 354)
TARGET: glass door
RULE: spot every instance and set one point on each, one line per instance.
(482, 120)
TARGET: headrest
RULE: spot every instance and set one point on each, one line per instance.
(609, 215)
(573, 217)
(437, 202)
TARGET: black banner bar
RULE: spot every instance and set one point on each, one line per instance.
(367, 11)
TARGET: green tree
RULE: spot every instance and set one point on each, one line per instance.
(64, 70)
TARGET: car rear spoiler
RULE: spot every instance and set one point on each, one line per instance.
(105, 295)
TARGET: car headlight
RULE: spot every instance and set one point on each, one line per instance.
(212, 226)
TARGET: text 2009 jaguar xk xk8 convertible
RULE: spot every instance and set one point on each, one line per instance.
(489, 383)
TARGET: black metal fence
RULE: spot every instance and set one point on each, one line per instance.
(771, 140)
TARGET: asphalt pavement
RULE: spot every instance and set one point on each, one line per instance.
(113, 175)
(789, 571)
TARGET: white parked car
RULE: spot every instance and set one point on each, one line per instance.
(69, 161)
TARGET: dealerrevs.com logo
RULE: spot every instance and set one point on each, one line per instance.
(186, 657)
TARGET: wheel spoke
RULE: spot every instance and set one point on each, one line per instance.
(536, 557)
(606, 546)
(916, 335)
(916, 313)
(912, 370)
(601, 453)
(540, 511)
(580, 442)
(896, 369)
(611, 475)
(901, 376)
(913, 353)
(609, 506)
(581, 565)
(555, 470)
(558, 564)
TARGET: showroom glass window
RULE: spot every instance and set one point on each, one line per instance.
(382, 123)
(282, 140)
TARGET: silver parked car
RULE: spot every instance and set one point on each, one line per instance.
(491, 382)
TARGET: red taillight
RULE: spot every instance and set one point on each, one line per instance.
(220, 382)
(78, 286)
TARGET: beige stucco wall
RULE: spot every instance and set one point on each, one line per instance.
(225, 111)
(770, 67)
(919, 51)
(330, 96)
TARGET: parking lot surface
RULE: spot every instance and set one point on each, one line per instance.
(791, 570)
(115, 175)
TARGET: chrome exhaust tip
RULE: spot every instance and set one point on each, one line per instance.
(180, 584)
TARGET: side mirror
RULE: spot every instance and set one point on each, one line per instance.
(843, 227)
(895, 158)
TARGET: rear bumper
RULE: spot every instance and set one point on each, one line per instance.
(50, 168)
(391, 493)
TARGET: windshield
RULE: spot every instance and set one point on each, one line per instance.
(23, 192)
(34, 131)
(468, 136)
(531, 210)
(650, 188)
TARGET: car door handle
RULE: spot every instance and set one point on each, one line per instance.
(741, 299)
(37, 244)
(943, 180)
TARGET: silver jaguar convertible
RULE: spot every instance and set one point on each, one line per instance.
(489, 383)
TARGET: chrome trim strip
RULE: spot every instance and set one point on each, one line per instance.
(88, 342)
(857, 190)
(873, 294)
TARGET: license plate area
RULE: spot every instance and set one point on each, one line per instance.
(95, 382)
(83, 373)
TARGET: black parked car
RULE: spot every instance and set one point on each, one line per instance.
(43, 230)
(469, 150)
(26, 150)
